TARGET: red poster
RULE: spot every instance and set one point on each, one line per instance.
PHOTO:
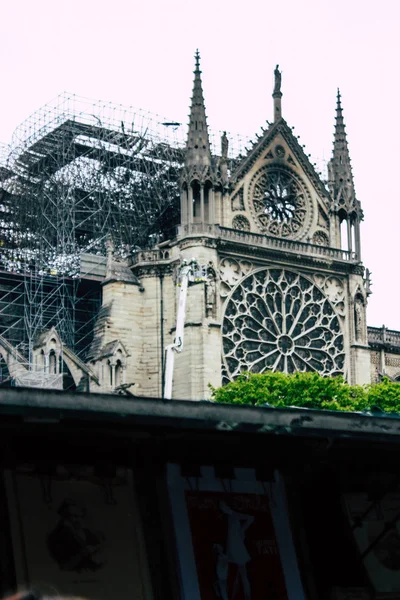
(235, 547)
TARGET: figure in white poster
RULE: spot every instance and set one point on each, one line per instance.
(236, 553)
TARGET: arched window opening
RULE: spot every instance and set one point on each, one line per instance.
(42, 360)
(118, 374)
(207, 196)
(353, 235)
(52, 362)
(344, 240)
(196, 200)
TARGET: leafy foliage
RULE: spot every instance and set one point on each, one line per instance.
(309, 390)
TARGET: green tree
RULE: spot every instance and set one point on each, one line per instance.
(309, 390)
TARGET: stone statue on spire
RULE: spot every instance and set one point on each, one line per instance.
(278, 80)
(224, 145)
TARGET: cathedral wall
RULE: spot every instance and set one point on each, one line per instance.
(200, 361)
(357, 330)
(132, 315)
(362, 364)
(147, 356)
(375, 366)
(392, 365)
(199, 364)
(124, 319)
(124, 301)
(384, 363)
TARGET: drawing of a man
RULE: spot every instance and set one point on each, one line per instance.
(72, 545)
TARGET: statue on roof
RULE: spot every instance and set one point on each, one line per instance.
(224, 145)
(278, 80)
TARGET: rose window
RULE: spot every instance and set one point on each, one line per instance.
(279, 202)
(279, 320)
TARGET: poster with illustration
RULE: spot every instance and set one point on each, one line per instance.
(235, 546)
(234, 538)
(76, 533)
(375, 524)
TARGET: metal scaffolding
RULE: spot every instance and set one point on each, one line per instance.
(78, 171)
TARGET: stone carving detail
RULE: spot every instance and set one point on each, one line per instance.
(237, 200)
(359, 316)
(358, 310)
(240, 222)
(231, 271)
(211, 291)
(375, 359)
(280, 151)
(280, 203)
(368, 282)
(323, 220)
(224, 145)
(279, 320)
(392, 361)
(278, 80)
(333, 288)
(320, 238)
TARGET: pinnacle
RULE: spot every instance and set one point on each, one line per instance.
(198, 146)
(340, 164)
(197, 59)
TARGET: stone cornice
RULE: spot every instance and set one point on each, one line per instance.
(143, 270)
(252, 244)
(231, 248)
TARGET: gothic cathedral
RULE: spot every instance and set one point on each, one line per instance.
(281, 289)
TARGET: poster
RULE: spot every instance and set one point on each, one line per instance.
(235, 546)
(376, 530)
(233, 537)
(76, 533)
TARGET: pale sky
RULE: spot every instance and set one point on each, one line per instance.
(141, 54)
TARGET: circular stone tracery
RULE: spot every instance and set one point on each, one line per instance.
(279, 202)
(279, 320)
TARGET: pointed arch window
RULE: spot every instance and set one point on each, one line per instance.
(118, 374)
(196, 199)
(52, 362)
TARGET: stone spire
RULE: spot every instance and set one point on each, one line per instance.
(340, 174)
(198, 145)
(345, 206)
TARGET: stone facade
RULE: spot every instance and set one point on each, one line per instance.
(282, 286)
(385, 353)
(282, 291)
